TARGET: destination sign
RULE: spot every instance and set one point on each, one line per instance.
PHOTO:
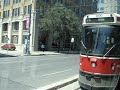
(100, 20)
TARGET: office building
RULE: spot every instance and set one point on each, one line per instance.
(109, 6)
(14, 13)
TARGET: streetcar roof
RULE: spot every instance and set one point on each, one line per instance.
(114, 17)
(102, 14)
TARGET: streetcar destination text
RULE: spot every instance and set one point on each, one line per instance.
(99, 20)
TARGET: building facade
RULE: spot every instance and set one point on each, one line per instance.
(13, 15)
(100, 6)
(109, 6)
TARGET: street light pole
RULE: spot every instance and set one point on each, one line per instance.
(28, 39)
(30, 26)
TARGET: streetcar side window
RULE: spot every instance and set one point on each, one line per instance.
(115, 41)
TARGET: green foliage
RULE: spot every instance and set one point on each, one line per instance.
(60, 21)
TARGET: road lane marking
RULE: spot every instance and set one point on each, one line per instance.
(35, 66)
(55, 73)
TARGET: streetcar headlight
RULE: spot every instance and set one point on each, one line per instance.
(93, 64)
(113, 67)
(80, 63)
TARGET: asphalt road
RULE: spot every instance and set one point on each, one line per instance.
(32, 72)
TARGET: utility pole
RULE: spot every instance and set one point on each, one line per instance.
(28, 39)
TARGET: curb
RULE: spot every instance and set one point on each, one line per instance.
(59, 84)
(70, 52)
(39, 54)
(7, 55)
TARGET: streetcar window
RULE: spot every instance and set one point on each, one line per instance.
(98, 40)
(112, 40)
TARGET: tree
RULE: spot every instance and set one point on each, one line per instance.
(60, 22)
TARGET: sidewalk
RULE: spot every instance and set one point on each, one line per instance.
(44, 53)
(12, 53)
(36, 53)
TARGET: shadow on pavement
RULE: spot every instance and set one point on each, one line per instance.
(70, 52)
(5, 55)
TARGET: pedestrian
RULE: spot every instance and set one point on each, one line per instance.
(72, 43)
(25, 48)
(43, 47)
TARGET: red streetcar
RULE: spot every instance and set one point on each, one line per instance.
(100, 53)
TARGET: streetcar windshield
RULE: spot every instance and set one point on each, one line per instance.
(99, 39)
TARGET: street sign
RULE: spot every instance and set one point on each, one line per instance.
(27, 22)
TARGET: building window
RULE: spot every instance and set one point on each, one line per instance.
(16, 12)
(5, 27)
(46, 1)
(5, 39)
(7, 2)
(60, 1)
(118, 9)
(25, 10)
(102, 1)
(24, 25)
(14, 39)
(0, 4)
(19, 11)
(16, 1)
(0, 14)
(81, 2)
(76, 10)
(102, 8)
(6, 13)
(15, 26)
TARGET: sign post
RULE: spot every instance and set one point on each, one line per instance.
(28, 21)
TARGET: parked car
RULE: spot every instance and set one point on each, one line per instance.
(8, 47)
